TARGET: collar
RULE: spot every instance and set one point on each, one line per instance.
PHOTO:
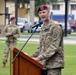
(46, 27)
(12, 24)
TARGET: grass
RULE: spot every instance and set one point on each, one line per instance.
(69, 50)
(71, 34)
(70, 63)
(26, 33)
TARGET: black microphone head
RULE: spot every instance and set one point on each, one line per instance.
(37, 24)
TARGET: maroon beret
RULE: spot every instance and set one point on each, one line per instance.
(12, 18)
(42, 7)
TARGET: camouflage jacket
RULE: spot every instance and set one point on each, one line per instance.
(14, 30)
(50, 52)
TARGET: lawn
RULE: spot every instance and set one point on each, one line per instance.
(69, 50)
(71, 34)
(26, 33)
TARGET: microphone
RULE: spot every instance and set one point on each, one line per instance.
(37, 24)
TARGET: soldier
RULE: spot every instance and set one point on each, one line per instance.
(50, 52)
(11, 32)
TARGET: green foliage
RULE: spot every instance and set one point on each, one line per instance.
(27, 9)
(23, 2)
(53, 1)
(38, 3)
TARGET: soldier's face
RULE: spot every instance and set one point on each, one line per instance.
(44, 14)
(13, 21)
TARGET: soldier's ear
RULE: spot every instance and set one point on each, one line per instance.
(49, 12)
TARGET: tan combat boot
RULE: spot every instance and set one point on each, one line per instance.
(3, 66)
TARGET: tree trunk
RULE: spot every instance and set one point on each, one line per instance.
(32, 11)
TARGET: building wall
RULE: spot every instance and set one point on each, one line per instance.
(11, 7)
(2, 10)
(62, 6)
(62, 9)
(21, 11)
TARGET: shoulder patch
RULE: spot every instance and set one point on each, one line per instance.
(54, 35)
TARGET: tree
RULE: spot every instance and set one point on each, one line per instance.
(38, 3)
(20, 1)
(23, 2)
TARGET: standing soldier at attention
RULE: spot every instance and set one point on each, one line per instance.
(11, 32)
(50, 52)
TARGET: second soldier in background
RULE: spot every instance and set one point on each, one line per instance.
(11, 32)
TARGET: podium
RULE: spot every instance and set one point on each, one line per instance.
(25, 66)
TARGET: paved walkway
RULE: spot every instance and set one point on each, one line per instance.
(67, 40)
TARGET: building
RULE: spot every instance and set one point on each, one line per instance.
(2, 11)
(57, 9)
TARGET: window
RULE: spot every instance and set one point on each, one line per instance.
(55, 7)
(73, 6)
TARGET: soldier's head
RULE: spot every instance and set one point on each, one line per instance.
(43, 12)
(12, 19)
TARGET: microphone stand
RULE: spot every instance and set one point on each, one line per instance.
(18, 54)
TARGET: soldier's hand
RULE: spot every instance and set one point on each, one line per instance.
(35, 58)
(9, 34)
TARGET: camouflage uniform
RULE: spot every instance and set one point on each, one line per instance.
(50, 52)
(10, 39)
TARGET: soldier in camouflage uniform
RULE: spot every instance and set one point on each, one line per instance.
(50, 52)
(11, 32)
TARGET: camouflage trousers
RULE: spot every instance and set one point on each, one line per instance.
(6, 50)
(54, 71)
